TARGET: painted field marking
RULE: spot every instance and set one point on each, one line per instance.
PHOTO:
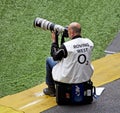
(38, 94)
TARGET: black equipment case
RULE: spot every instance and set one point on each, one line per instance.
(81, 93)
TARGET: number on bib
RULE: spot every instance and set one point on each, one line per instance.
(82, 59)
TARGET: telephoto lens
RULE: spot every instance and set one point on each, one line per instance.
(47, 25)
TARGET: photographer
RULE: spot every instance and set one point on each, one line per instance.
(70, 63)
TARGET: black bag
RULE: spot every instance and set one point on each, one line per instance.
(81, 93)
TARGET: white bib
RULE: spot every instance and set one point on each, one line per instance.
(76, 67)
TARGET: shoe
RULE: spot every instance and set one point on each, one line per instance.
(49, 91)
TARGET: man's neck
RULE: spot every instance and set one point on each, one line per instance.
(76, 36)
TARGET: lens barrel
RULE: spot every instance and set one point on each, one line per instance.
(47, 25)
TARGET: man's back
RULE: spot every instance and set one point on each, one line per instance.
(76, 67)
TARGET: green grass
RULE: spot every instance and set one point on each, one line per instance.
(23, 49)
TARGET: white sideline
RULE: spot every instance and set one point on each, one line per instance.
(34, 102)
(30, 104)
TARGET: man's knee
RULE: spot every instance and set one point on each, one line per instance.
(51, 62)
(48, 60)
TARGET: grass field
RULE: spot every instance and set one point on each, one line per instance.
(23, 48)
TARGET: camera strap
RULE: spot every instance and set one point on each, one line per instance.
(62, 40)
(56, 38)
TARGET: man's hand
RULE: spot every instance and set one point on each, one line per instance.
(53, 37)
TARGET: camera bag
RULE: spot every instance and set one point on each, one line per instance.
(80, 93)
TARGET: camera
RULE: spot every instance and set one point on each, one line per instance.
(47, 25)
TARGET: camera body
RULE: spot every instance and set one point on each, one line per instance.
(47, 25)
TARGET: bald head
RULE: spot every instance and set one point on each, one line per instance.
(74, 29)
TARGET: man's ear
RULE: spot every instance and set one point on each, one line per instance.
(72, 33)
